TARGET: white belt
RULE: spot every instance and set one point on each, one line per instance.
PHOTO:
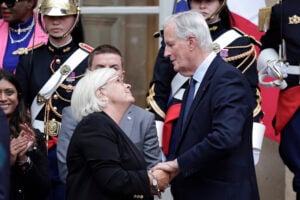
(38, 124)
(293, 69)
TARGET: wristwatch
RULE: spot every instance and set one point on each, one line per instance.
(155, 189)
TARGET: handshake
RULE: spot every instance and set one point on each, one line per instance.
(161, 175)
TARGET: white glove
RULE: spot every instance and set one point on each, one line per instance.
(277, 69)
(258, 132)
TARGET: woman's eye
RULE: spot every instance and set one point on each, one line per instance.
(9, 92)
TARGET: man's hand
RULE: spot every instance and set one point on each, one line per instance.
(171, 167)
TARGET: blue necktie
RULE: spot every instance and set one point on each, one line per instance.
(190, 98)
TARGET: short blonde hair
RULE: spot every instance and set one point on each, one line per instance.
(84, 100)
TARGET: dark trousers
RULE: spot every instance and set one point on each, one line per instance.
(57, 187)
(289, 149)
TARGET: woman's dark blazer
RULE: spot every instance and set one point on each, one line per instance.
(103, 163)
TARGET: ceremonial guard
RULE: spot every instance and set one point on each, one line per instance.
(167, 87)
(280, 59)
(48, 74)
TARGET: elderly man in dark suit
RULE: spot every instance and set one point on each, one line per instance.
(213, 154)
(4, 157)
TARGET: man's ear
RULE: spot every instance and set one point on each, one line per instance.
(191, 42)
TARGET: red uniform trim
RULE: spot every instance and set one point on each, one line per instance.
(288, 104)
(171, 115)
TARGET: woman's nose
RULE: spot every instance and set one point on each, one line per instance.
(2, 96)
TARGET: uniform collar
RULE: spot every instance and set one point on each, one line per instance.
(62, 49)
(216, 29)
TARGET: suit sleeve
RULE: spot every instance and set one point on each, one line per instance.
(68, 125)
(152, 151)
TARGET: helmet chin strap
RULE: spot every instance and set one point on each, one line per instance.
(66, 33)
(215, 15)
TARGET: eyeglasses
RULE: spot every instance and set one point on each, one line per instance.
(114, 79)
(9, 3)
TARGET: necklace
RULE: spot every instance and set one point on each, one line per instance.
(21, 30)
(20, 40)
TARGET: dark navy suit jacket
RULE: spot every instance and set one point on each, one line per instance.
(4, 157)
(214, 149)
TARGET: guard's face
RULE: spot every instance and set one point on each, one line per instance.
(20, 11)
(57, 26)
(108, 60)
(177, 50)
(8, 97)
(206, 7)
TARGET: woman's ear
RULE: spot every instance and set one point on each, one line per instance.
(101, 96)
(99, 93)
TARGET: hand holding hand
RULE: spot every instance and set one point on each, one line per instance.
(163, 179)
(171, 167)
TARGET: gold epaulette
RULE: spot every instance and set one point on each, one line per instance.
(264, 15)
(253, 39)
(86, 47)
(158, 34)
(24, 51)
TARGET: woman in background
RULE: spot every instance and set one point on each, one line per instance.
(18, 30)
(28, 160)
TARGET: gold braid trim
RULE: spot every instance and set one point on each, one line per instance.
(54, 110)
(257, 109)
(153, 104)
(62, 98)
(246, 55)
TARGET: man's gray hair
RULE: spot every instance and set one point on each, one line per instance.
(84, 100)
(191, 24)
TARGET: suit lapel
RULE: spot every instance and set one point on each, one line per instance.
(196, 102)
(127, 121)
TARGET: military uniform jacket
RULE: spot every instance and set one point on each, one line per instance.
(285, 27)
(34, 70)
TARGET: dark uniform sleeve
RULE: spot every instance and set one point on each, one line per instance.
(272, 37)
(241, 54)
(160, 85)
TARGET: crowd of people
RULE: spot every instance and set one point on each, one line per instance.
(204, 111)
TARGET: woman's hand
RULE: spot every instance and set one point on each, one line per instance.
(20, 145)
(17, 145)
(27, 134)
